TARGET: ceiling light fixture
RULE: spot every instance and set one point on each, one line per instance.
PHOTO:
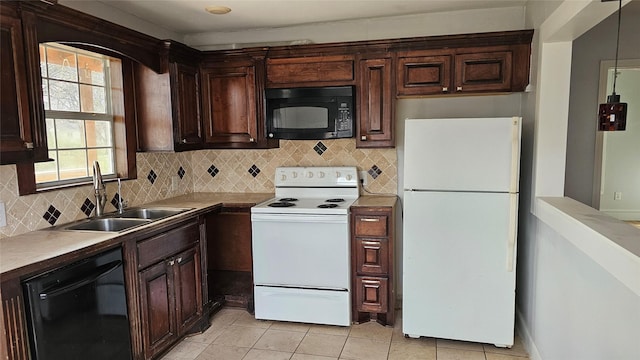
(218, 9)
(612, 115)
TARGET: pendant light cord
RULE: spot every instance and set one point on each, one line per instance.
(615, 71)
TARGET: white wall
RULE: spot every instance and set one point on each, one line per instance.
(444, 23)
(621, 153)
(569, 305)
(589, 50)
(102, 10)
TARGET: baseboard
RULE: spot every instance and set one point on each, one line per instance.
(525, 336)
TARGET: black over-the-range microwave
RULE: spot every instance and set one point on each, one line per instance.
(310, 113)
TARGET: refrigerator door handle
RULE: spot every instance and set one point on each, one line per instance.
(515, 154)
(513, 231)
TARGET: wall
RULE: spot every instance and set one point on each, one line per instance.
(441, 23)
(26, 213)
(568, 305)
(588, 50)
(621, 151)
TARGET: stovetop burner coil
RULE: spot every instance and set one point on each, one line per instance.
(281, 204)
(336, 200)
(288, 199)
(327, 206)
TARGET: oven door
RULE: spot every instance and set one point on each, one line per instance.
(301, 251)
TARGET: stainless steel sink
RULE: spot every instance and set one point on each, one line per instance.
(115, 222)
(106, 224)
(150, 213)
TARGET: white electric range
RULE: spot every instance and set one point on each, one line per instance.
(301, 246)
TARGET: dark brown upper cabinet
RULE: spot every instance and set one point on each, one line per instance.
(168, 104)
(424, 72)
(333, 70)
(233, 102)
(479, 69)
(21, 139)
(375, 112)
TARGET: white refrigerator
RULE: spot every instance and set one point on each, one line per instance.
(459, 232)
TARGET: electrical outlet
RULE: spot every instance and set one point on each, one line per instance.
(617, 195)
(3, 215)
(364, 179)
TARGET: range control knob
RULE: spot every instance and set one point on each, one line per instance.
(321, 174)
(283, 177)
(310, 174)
(338, 174)
(349, 177)
(294, 174)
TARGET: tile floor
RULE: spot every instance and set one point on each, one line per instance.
(235, 334)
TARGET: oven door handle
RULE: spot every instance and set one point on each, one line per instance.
(301, 218)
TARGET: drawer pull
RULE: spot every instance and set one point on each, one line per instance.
(371, 243)
(171, 262)
(370, 219)
(371, 282)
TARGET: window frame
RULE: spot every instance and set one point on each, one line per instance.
(124, 125)
(107, 62)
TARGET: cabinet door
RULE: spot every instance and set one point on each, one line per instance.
(157, 301)
(188, 288)
(371, 294)
(376, 103)
(230, 105)
(15, 124)
(424, 74)
(185, 89)
(484, 71)
(336, 70)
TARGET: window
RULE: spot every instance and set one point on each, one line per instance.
(79, 119)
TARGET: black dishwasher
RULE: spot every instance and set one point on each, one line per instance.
(79, 311)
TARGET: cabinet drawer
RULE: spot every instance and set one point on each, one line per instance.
(372, 256)
(371, 225)
(372, 294)
(154, 249)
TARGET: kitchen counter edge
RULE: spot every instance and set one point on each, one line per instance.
(46, 245)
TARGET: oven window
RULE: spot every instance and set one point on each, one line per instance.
(301, 117)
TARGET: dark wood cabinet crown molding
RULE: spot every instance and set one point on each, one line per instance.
(62, 24)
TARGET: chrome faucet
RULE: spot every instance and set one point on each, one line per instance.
(99, 189)
(121, 203)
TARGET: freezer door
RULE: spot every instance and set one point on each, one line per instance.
(457, 283)
(462, 154)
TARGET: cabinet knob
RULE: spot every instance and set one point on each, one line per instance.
(179, 260)
(28, 145)
(252, 140)
(171, 262)
(363, 137)
(459, 88)
(184, 141)
(445, 89)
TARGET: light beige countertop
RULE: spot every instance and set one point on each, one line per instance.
(376, 200)
(37, 246)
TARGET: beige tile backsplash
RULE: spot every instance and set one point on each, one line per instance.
(25, 213)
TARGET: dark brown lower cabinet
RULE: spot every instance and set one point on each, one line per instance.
(230, 276)
(372, 245)
(170, 281)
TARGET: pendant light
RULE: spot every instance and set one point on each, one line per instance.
(612, 116)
